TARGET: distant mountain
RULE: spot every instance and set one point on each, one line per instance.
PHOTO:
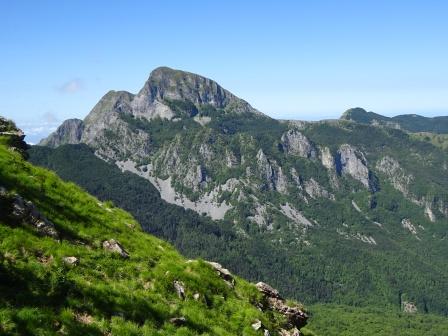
(333, 211)
(408, 122)
(73, 265)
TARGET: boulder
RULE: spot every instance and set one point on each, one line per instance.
(180, 289)
(267, 290)
(178, 321)
(223, 272)
(26, 211)
(114, 246)
(72, 261)
(256, 325)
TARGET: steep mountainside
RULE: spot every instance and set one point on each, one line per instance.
(408, 122)
(73, 265)
(339, 211)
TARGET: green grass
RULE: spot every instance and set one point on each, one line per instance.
(40, 295)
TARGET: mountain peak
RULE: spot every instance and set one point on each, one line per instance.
(165, 83)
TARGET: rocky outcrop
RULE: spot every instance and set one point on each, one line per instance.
(15, 137)
(353, 162)
(114, 246)
(165, 83)
(264, 167)
(224, 273)
(395, 174)
(26, 212)
(296, 317)
(259, 215)
(119, 141)
(69, 132)
(271, 173)
(402, 181)
(315, 190)
(295, 143)
(326, 158)
(407, 224)
(295, 215)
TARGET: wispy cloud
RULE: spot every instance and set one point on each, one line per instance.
(72, 86)
(40, 127)
(50, 117)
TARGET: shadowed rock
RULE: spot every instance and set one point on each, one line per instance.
(296, 317)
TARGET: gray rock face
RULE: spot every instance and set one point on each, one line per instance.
(271, 173)
(295, 143)
(70, 132)
(166, 83)
(315, 190)
(267, 290)
(397, 176)
(264, 167)
(327, 159)
(353, 162)
(105, 125)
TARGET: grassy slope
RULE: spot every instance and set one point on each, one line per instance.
(42, 296)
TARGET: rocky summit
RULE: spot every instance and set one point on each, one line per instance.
(342, 211)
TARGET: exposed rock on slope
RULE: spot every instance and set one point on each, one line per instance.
(13, 136)
(295, 143)
(353, 162)
(23, 211)
(296, 317)
(397, 176)
(69, 132)
(168, 84)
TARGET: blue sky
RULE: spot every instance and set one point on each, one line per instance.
(290, 59)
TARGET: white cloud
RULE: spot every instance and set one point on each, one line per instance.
(72, 86)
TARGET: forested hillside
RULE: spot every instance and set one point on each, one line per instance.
(73, 265)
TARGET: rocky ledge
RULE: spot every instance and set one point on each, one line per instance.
(296, 317)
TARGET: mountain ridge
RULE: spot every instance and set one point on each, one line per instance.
(322, 190)
(408, 122)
